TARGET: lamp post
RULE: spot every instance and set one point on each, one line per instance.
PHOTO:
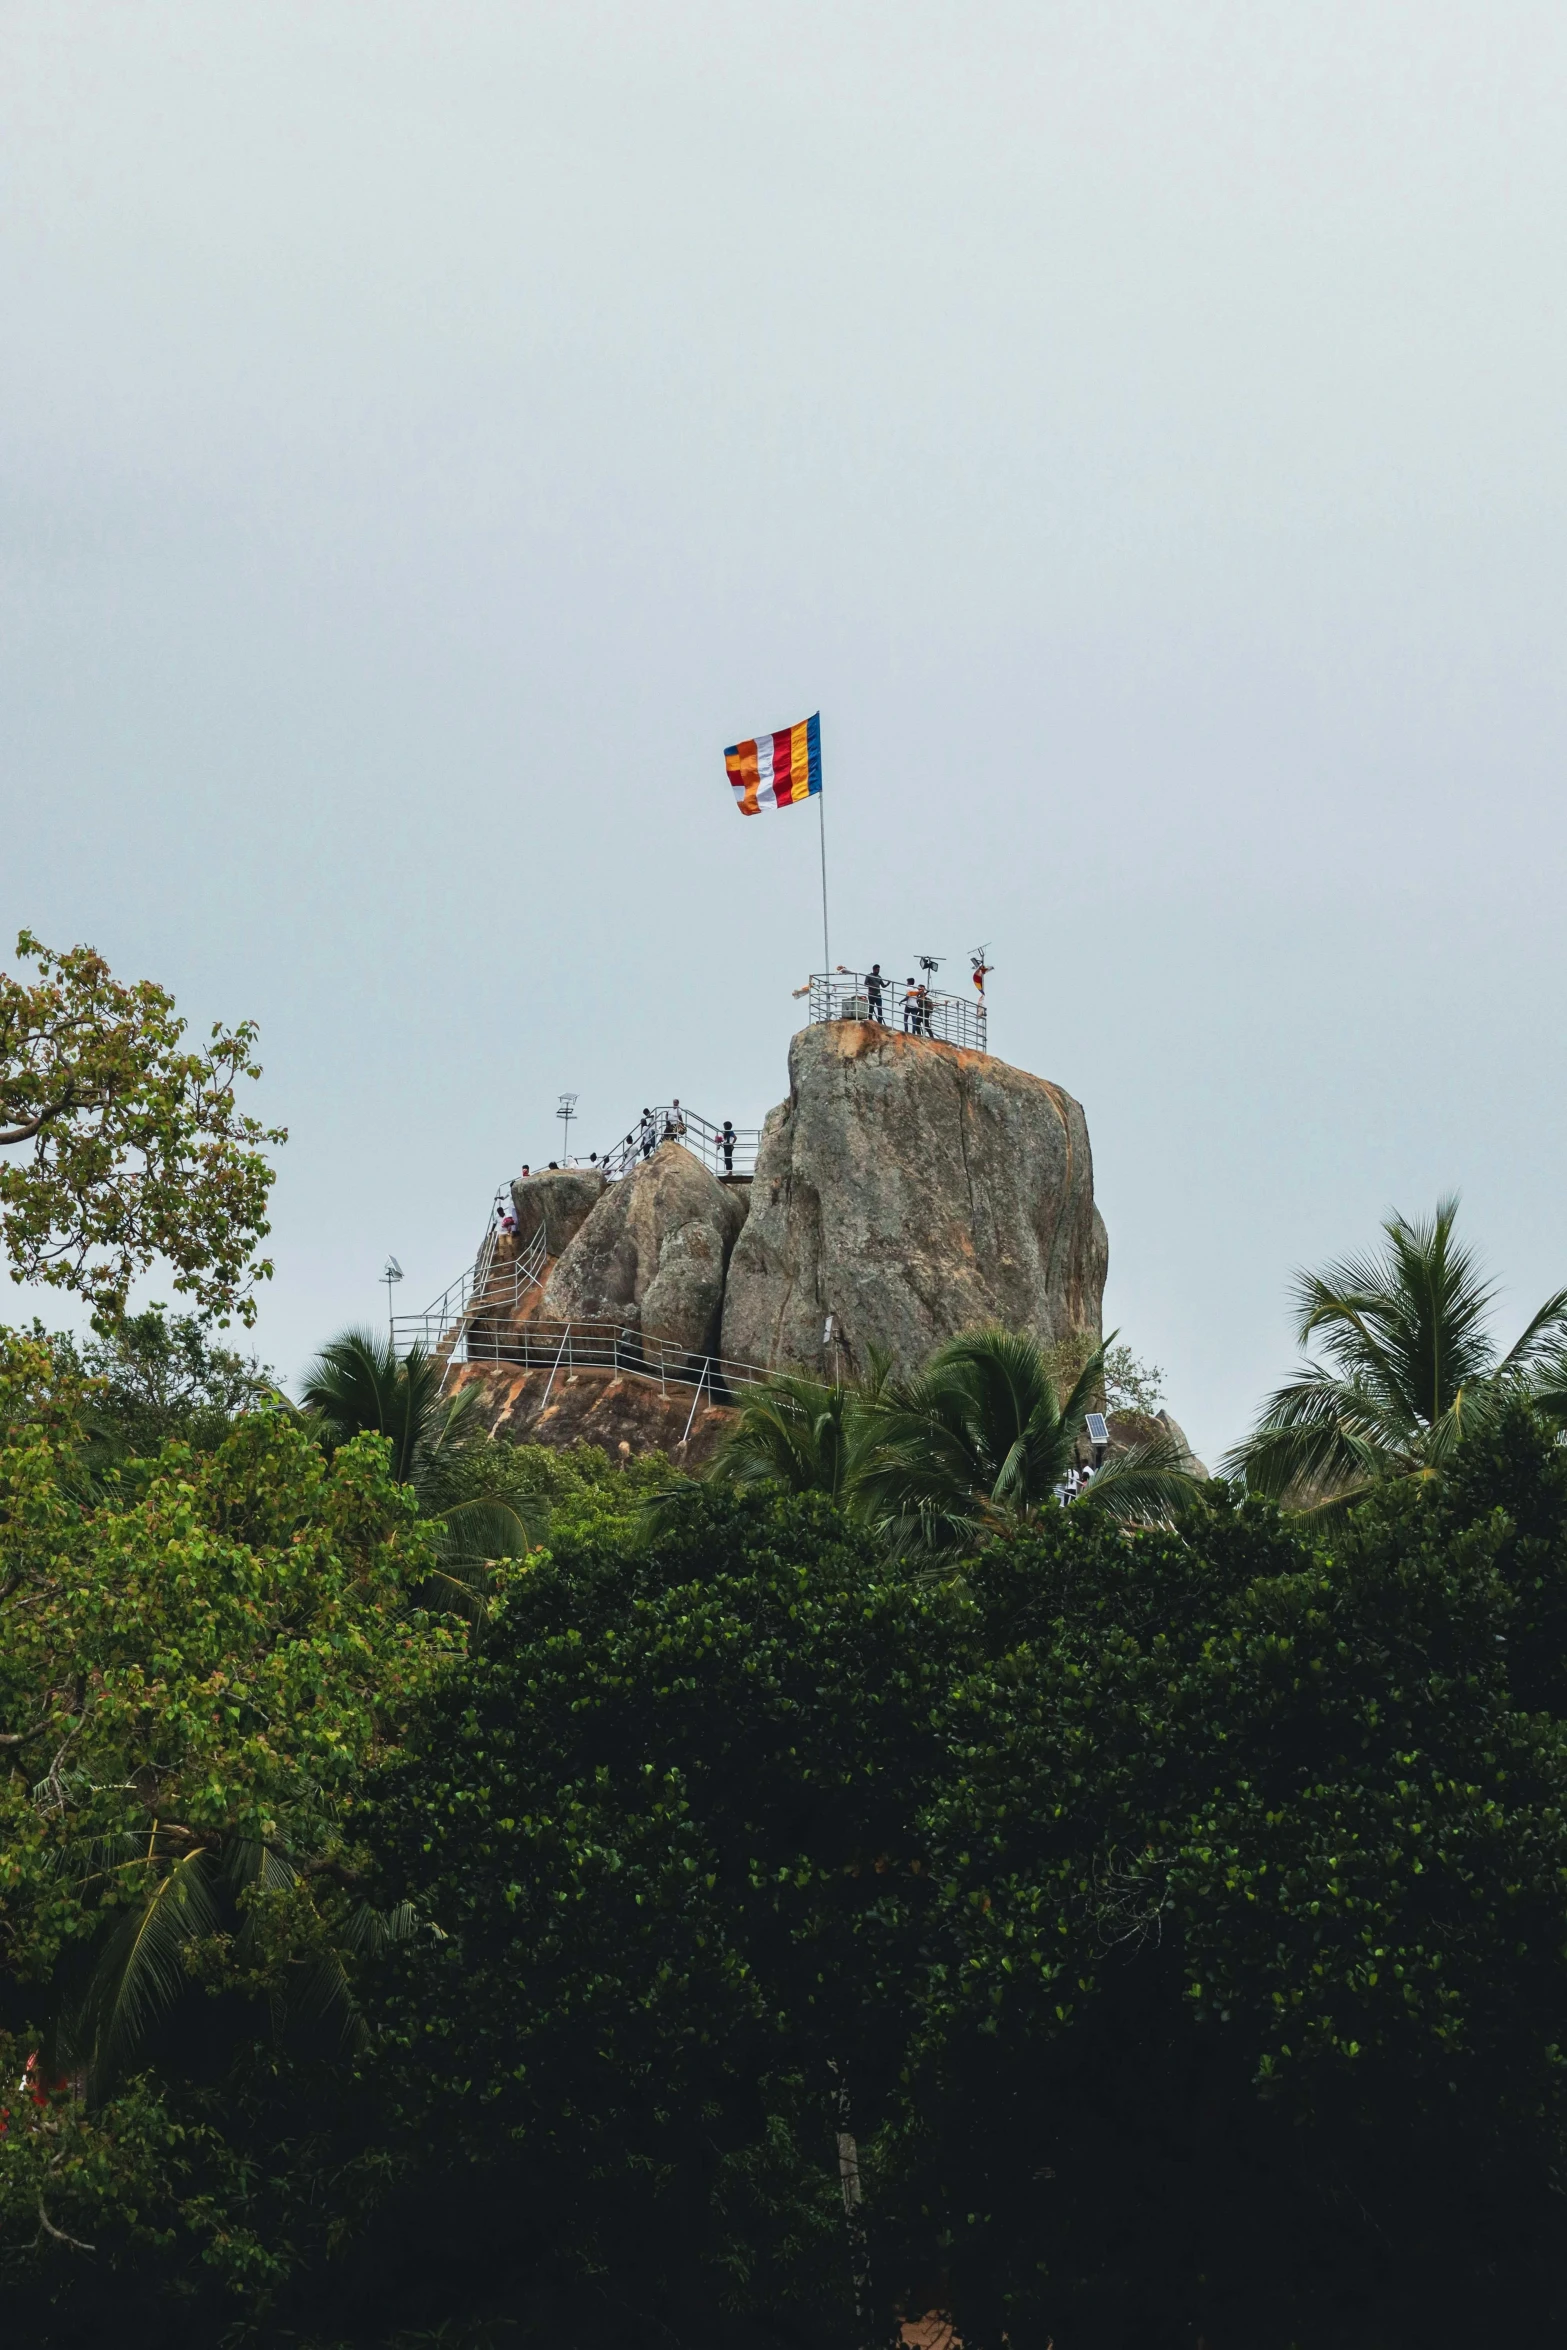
(566, 1112)
(392, 1274)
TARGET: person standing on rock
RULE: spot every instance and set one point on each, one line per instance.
(649, 1134)
(911, 1008)
(873, 991)
(726, 1143)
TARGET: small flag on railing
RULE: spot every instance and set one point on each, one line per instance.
(777, 769)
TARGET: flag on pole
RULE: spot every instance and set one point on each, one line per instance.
(777, 769)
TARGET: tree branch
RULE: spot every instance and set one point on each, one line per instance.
(59, 2234)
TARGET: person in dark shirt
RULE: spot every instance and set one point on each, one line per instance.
(873, 990)
(726, 1143)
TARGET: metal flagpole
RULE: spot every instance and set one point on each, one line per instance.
(822, 820)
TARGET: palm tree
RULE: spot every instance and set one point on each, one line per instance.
(982, 1443)
(803, 1434)
(357, 1384)
(1411, 1369)
(184, 1892)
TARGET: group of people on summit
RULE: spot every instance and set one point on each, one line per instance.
(917, 1005)
(918, 1000)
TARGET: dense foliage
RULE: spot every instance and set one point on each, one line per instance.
(1186, 1911)
(128, 1146)
(991, 1435)
(1177, 1917)
(200, 1657)
(150, 1377)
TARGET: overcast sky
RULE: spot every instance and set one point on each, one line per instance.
(430, 433)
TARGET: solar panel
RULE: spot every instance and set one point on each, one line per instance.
(1098, 1433)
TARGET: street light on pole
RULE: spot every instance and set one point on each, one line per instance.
(566, 1112)
(393, 1273)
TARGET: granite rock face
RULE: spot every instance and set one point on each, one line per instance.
(561, 1201)
(912, 1190)
(653, 1253)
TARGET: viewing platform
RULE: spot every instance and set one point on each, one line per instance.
(949, 1019)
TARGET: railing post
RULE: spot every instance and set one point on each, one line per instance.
(696, 1399)
(555, 1366)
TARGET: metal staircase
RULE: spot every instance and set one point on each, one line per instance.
(488, 1290)
(475, 1320)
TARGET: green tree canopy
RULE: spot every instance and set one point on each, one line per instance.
(196, 1671)
(806, 1435)
(359, 1384)
(123, 1145)
(983, 1441)
(664, 1830)
(1185, 1907)
(153, 1376)
(1411, 1368)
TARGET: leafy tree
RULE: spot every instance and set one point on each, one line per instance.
(1132, 1385)
(981, 1443)
(664, 1830)
(359, 1383)
(1251, 2031)
(561, 1491)
(129, 1146)
(151, 1379)
(1411, 1369)
(195, 1674)
(1186, 1906)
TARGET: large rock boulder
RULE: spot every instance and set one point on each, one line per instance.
(561, 1199)
(912, 1190)
(653, 1253)
(1133, 1428)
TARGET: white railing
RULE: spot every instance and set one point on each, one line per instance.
(487, 1287)
(672, 1122)
(605, 1346)
(850, 995)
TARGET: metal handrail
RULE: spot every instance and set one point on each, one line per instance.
(480, 1289)
(609, 1346)
(579, 1346)
(673, 1122)
(948, 1019)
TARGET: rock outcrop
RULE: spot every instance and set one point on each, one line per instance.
(912, 1190)
(653, 1253)
(629, 1417)
(1129, 1428)
(561, 1199)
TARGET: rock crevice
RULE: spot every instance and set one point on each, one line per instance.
(653, 1253)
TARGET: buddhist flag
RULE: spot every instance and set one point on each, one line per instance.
(777, 769)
